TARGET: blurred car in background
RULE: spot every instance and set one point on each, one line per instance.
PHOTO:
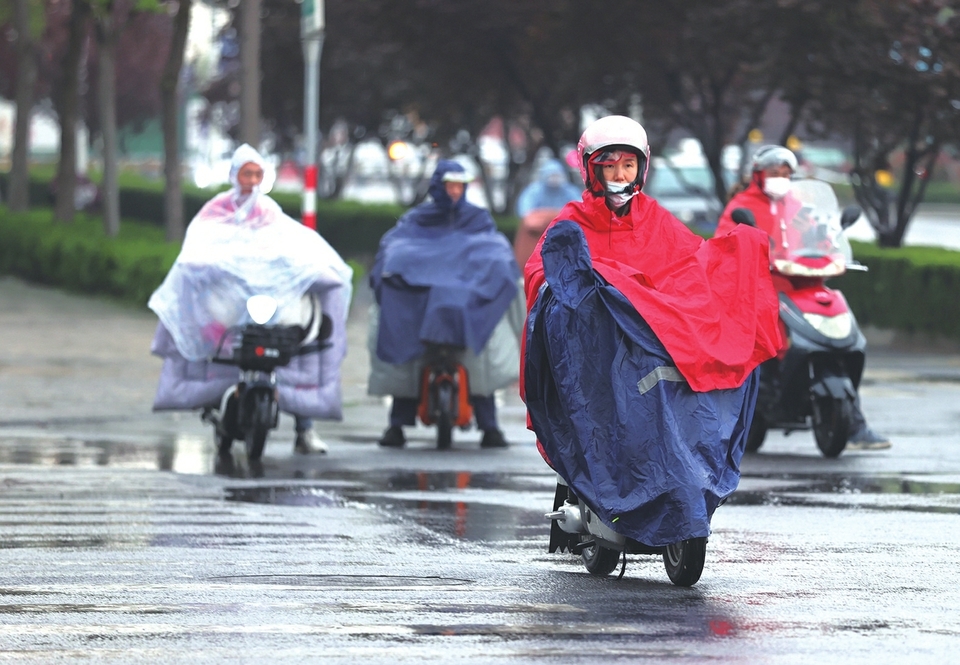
(682, 182)
(824, 162)
(685, 191)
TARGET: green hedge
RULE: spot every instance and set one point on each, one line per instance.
(79, 257)
(913, 289)
(354, 229)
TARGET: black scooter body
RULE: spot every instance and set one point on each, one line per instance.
(817, 370)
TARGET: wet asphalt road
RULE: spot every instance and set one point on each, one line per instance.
(123, 539)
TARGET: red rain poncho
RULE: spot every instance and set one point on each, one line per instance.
(710, 302)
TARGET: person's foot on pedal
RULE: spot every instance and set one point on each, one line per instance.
(867, 439)
(308, 443)
(393, 437)
(493, 438)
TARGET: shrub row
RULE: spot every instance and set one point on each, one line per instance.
(913, 289)
(79, 257)
(354, 229)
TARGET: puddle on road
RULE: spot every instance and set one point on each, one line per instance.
(463, 505)
(363, 582)
(483, 507)
(885, 493)
(285, 496)
(182, 454)
(849, 484)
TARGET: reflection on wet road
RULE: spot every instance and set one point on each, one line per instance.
(482, 507)
(339, 556)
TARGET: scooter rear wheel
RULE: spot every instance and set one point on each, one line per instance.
(599, 561)
(757, 433)
(445, 397)
(684, 561)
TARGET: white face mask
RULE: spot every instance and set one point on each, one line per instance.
(776, 188)
(617, 194)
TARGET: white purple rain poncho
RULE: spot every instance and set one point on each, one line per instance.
(238, 246)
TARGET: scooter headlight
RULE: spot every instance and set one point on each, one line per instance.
(834, 327)
(261, 308)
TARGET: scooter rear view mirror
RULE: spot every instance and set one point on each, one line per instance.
(261, 308)
(849, 216)
(743, 216)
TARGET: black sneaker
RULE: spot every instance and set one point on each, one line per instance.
(393, 437)
(493, 438)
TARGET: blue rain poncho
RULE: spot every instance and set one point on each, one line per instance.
(551, 190)
(613, 415)
(442, 275)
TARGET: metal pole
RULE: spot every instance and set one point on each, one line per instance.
(312, 47)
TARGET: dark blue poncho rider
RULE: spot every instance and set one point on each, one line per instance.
(444, 275)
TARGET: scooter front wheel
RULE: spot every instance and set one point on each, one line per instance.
(260, 421)
(684, 561)
(223, 442)
(599, 561)
(831, 424)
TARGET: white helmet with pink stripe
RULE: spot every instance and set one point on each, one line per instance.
(611, 134)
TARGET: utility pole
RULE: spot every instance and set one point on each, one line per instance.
(311, 36)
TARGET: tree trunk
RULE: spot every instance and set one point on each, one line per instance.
(26, 81)
(68, 104)
(169, 102)
(250, 72)
(107, 93)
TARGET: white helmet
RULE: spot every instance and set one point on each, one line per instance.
(612, 131)
(768, 156)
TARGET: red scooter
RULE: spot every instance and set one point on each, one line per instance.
(813, 383)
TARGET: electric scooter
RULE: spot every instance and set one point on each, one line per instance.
(813, 383)
(250, 408)
(444, 393)
(575, 527)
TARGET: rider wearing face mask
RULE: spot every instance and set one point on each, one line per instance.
(769, 183)
(718, 319)
(635, 324)
(766, 197)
